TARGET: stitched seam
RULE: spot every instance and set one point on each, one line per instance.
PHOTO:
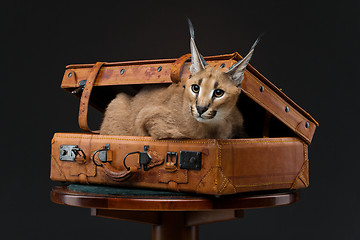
(159, 176)
(260, 141)
(306, 160)
(223, 185)
(306, 152)
(303, 181)
(219, 162)
(228, 180)
(262, 184)
(173, 141)
(58, 167)
(218, 156)
(211, 169)
(139, 140)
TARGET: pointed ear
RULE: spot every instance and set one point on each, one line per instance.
(197, 61)
(236, 71)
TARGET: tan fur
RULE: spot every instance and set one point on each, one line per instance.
(171, 112)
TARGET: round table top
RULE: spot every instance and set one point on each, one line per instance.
(167, 201)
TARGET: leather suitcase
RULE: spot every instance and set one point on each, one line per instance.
(275, 156)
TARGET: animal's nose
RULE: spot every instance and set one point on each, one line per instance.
(201, 109)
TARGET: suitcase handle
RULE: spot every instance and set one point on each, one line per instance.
(112, 172)
(177, 67)
(147, 159)
(117, 175)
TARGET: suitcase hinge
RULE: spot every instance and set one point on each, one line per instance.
(81, 87)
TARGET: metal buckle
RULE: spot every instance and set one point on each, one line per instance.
(171, 161)
(170, 155)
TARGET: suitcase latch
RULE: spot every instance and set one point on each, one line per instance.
(103, 155)
(190, 160)
(71, 152)
(144, 158)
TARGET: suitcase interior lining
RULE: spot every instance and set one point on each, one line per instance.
(254, 114)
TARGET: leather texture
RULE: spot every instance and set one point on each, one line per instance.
(178, 67)
(85, 96)
(269, 97)
(227, 166)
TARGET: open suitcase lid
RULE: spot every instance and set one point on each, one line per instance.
(162, 71)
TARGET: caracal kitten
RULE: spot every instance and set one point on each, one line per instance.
(204, 106)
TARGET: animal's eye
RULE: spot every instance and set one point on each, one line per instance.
(218, 93)
(195, 88)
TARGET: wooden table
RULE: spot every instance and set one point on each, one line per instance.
(173, 216)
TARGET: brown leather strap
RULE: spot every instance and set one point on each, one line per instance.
(85, 97)
(156, 159)
(177, 67)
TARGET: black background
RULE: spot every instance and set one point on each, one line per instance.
(310, 50)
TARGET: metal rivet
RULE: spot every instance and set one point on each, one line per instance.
(70, 74)
(307, 125)
(159, 69)
(222, 65)
(262, 89)
(122, 71)
(287, 109)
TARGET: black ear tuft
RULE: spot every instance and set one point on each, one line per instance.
(257, 41)
(191, 28)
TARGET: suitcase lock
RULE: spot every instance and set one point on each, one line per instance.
(144, 158)
(190, 160)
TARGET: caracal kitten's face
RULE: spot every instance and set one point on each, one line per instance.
(211, 95)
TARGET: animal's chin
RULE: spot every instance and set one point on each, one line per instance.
(204, 120)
